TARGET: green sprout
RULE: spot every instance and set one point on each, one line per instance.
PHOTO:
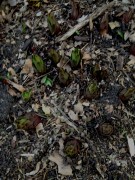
(47, 81)
(39, 63)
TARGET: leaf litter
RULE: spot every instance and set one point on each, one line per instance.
(77, 60)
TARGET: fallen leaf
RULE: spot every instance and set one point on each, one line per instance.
(72, 115)
(46, 109)
(12, 71)
(12, 92)
(78, 108)
(62, 167)
(15, 85)
(86, 57)
(114, 24)
(32, 173)
(27, 68)
(35, 107)
(132, 61)
(132, 37)
(40, 130)
(109, 108)
(131, 146)
(127, 16)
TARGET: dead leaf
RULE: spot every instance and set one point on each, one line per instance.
(32, 173)
(12, 92)
(46, 109)
(78, 107)
(109, 108)
(35, 107)
(131, 146)
(86, 57)
(27, 68)
(62, 168)
(12, 71)
(127, 16)
(15, 85)
(114, 24)
(132, 37)
(40, 130)
(73, 115)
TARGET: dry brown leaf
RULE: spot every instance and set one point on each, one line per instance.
(32, 173)
(109, 108)
(12, 92)
(35, 107)
(16, 86)
(46, 109)
(131, 146)
(114, 24)
(132, 61)
(62, 168)
(73, 115)
(78, 107)
(12, 71)
(127, 16)
(86, 56)
(40, 130)
(27, 68)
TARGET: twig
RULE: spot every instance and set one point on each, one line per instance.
(94, 15)
(129, 78)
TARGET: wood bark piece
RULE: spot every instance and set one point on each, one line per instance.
(94, 15)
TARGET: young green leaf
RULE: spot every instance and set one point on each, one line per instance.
(23, 27)
(75, 57)
(72, 147)
(120, 33)
(64, 77)
(53, 25)
(126, 94)
(54, 55)
(26, 95)
(92, 90)
(99, 73)
(47, 81)
(28, 122)
(39, 63)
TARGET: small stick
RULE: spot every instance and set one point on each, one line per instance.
(94, 15)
